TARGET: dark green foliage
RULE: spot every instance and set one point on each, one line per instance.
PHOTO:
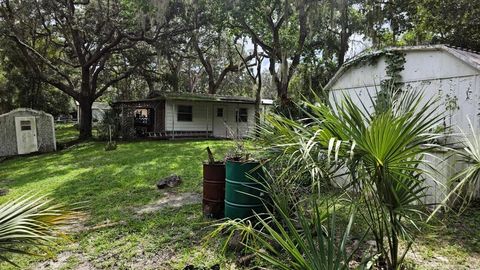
(111, 145)
(378, 154)
(108, 128)
(311, 240)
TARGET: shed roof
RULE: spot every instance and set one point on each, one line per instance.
(25, 110)
(199, 97)
(469, 57)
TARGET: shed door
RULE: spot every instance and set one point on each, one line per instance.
(26, 135)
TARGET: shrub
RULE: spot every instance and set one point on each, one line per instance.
(377, 154)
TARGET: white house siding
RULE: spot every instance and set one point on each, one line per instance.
(240, 129)
(437, 74)
(203, 118)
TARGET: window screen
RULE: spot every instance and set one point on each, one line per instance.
(242, 115)
(219, 112)
(184, 113)
(25, 125)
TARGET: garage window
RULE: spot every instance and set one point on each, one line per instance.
(184, 113)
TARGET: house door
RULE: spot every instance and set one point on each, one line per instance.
(220, 122)
(26, 130)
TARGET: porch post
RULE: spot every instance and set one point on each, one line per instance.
(207, 122)
(174, 114)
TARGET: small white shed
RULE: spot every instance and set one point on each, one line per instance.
(24, 131)
(449, 73)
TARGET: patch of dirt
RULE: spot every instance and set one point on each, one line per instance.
(77, 226)
(172, 200)
(63, 259)
(155, 261)
(441, 262)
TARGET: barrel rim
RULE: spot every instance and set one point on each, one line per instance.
(243, 161)
(217, 163)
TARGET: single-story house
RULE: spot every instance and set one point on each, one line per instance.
(439, 71)
(24, 131)
(98, 111)
(174, 115)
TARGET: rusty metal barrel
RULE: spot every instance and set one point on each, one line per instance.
(213, 190)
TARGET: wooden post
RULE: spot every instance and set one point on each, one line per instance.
(173, 120)
(237, 120)
(214, 114)
(207, 122)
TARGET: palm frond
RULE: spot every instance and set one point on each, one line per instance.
(30, 221)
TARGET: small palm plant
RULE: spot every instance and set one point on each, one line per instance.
(30, 222)
(464, 185)
(380, 154)
(311, 241)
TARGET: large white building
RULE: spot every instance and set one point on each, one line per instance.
(448, 73)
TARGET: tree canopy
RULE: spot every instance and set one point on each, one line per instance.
(52, 51)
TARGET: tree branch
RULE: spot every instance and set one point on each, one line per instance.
(114, 81)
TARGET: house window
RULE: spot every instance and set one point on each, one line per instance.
(219, 112)
(184, 113)
(241, 115)
(25, 125)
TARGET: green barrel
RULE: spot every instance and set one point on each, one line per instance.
(241, 192)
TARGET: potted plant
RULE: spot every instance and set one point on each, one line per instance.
(243, 192)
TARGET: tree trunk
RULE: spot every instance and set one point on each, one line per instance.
(344, 33)
(212, 87)
(85, 121)
(282, 90)
(258, 96)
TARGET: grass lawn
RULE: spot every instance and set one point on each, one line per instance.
(65, 133)
(115, 185)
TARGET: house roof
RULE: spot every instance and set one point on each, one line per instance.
(199, 97)
(469, 57)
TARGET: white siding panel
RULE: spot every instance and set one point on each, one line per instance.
(203, 117)
(239, 129)
(436, 74)
(458, 100)
(419, 66)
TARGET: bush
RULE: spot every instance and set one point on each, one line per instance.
(112, 145)
(378, 154)
(108, 127)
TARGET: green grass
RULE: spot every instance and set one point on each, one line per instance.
(112, 185)
(65, 133)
